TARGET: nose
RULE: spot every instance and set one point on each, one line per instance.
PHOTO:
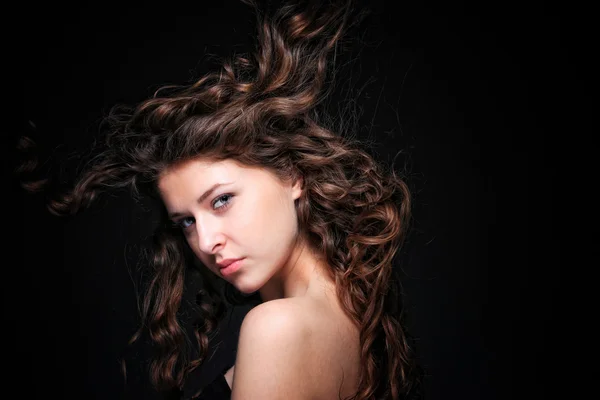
(210, 235)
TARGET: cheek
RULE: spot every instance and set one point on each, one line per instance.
(193, 243)
(201, 256)
(246, 223)
(270, 223)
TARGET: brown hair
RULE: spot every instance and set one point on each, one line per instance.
(264, 111)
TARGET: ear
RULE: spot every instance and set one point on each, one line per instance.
(297, 188)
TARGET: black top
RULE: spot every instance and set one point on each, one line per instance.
(216, 390)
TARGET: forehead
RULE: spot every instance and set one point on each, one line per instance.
(181, 185)
(186, 181)
(201, 171)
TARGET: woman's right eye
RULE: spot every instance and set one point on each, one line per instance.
(182, 223)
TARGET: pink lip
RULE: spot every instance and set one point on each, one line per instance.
(231, 267)
(226, 262)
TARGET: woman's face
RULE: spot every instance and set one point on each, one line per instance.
(230, 211)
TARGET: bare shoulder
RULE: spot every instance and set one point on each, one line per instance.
(272, 357)
(297, 318)
(286, 343)
(277, 322)
(281, 314)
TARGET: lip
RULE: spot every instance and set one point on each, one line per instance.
(231, 266)
(226, 262)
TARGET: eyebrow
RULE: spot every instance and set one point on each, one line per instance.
(202, 198)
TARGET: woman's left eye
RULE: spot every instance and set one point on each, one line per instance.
(224, 200)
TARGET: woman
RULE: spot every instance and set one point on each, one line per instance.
(260, 191)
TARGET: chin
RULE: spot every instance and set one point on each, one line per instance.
(246, 289)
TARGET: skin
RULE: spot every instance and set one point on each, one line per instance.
(254, 216)
(229, 376)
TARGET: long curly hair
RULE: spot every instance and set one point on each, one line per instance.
(265, 110)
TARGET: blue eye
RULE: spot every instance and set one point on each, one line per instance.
(225, 199)
(182, 222)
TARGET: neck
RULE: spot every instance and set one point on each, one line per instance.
(302, 271)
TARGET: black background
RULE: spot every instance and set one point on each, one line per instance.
(475, 97)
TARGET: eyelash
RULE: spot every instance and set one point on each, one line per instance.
(179, 224)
